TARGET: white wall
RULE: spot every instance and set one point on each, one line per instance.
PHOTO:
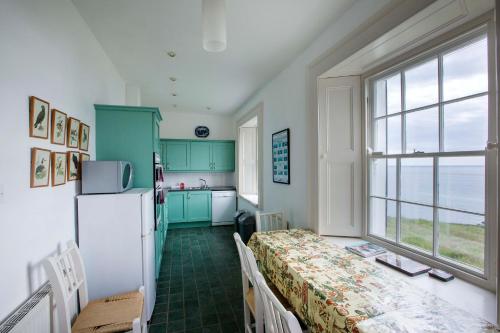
(285, 106)
(49, 52)
(181, 125)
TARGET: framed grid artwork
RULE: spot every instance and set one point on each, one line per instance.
(281, 157)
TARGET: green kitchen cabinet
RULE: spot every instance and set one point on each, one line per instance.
(165, 220)
(161, 237)
(200, 155)
(156, 137)
(163, 153)
(129, 133)
(177, 155)
(199, 206)
(189, 206)
(223, 156)
(177, 207)
(158, 248)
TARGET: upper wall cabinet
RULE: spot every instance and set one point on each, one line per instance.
(201, 155)
(197, 155)
(223, 156)
(177, 155)
(129, 133)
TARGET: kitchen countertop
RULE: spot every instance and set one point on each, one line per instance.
(210, 188)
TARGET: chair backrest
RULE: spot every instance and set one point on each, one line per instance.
(66, 274)
(270, 221)
(245, 268)
(277, 318)
(254, 272)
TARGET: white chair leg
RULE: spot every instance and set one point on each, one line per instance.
(144, 321)
(259, 322)
(247, 316)
(136, 325)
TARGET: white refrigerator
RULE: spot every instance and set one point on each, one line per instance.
(116, 240)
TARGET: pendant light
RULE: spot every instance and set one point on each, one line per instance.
(214, 25)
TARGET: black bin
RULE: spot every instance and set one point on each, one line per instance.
(245, 225)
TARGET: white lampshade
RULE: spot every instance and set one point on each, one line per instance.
(214, 25)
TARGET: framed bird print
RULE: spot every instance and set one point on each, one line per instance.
(83, 157)
(73, 132)
(73, 162)
(58, 170)
(40, 166)
(84, 137)
(58, 127)
(39, 118)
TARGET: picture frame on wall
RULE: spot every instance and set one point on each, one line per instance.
(84, 136)
(40, 167)
(58, 127)
(73, 133)
(73, 165)
(38, 117)
(83, 157)
(58, 168)
(281, 156)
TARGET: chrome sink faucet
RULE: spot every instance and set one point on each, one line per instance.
(204, 183)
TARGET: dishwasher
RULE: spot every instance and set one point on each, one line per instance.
(223, 207)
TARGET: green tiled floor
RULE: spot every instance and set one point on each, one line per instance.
(199, 289)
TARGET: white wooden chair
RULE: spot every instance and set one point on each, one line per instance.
(254, 270)
(120, 313)
(277, 318)
(270, 221)
(252, 302)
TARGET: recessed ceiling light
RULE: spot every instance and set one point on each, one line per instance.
(173, 79)
(171, 54)
(174, 94)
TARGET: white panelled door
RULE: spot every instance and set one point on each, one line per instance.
(340, 162)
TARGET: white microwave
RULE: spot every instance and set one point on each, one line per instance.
(106, 176)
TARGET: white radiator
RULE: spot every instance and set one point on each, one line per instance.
(33, 316)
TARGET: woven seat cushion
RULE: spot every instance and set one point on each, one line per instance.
(110, 314)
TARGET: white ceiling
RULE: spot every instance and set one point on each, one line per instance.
(263, 38)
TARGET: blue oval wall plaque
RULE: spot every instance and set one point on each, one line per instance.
(202, 131)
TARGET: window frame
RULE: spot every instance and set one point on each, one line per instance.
(256, 111)
(435, 49)
(242, 164)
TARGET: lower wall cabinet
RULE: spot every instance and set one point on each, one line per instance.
(160, 236)
(189, 206)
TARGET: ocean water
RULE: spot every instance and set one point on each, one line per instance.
(460, 187)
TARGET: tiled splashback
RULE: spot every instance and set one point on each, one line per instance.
(173, 179)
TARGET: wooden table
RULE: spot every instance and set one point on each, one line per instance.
(333, 290)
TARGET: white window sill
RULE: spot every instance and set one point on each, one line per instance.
(252, 199)
(464, 295)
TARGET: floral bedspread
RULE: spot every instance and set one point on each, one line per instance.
(333, 290)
